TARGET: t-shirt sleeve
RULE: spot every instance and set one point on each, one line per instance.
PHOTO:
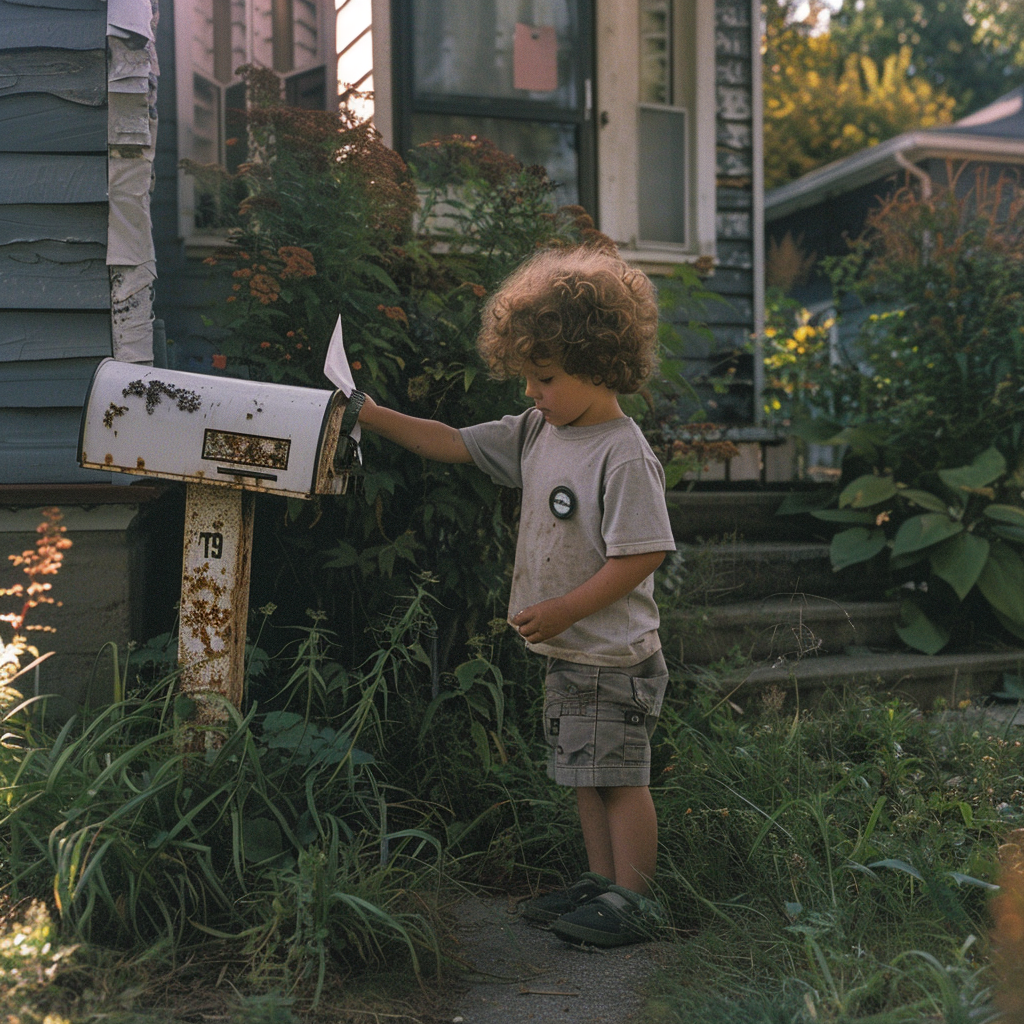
(497, 447)
(635, 517)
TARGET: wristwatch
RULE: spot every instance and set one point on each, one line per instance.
(351, 414)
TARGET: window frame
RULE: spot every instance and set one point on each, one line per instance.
(618, 143)
(201, 242)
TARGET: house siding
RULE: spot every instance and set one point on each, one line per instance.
(733, 318)
(54, 285)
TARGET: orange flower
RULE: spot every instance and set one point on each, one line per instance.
(357, 365)
(220, 362)
(264, 344)
(394, 313)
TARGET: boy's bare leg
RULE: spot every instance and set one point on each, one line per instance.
(620, 831)
(633, 835)
(596, 838)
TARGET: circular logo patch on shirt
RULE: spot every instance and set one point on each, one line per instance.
(562, 502)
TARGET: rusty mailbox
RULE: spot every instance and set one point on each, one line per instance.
(227, 439)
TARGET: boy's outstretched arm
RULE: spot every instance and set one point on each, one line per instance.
(616, 578)
(429, 438)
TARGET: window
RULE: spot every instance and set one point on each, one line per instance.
(294, 38)
(666, 94)
(517, 72)
(656, 143)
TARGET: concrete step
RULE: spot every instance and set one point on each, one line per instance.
(793, 626)
(741, 514)
(732, 571)
(920, 678)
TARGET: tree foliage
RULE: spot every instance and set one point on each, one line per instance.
(821, 104)
(837, 82)
(971, 50)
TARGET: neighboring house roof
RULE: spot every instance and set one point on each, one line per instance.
(994, 133)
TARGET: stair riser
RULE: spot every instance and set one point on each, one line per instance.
(921, 680)
(727, 573)
(703, 638)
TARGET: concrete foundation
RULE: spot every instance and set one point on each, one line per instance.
(99, 586)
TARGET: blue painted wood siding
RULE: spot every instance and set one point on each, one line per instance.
(54, 283)
(732, 320)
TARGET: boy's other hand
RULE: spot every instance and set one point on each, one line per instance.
(542, 621)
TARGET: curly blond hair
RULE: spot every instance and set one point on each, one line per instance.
(583, 307)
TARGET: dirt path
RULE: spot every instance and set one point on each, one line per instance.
(519, 974)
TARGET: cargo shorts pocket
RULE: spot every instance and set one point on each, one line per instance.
(570, 717)
(641, 717)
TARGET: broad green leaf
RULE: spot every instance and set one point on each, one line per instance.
(1014, 533)
(1010, 626)
(899, 562)
(959, 561)
(845, 515)
(986, 467)
(923, 531)
(855, 545)
(1009, 514)
(262, 838)
(818, 431)
(1002, 582)
(916, 630)
(925, 499)
(675, 470)
(867, 490)
(865, 439)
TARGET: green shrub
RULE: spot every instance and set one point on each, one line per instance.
(942, 369)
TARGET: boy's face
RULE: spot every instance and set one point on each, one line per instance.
(565, 400)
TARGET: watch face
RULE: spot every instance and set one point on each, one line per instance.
(562, 502)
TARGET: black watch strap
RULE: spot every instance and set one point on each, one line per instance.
(351, 414)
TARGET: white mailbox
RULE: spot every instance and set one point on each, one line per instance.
(226, 438)
(212, 430)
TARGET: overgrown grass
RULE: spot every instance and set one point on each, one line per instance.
(826, 864)
(832, 864)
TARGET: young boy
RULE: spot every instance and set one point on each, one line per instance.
(580, 326)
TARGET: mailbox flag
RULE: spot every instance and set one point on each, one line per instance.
(337, 371)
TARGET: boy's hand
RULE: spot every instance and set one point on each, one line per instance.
(542, 621)
(616, 578)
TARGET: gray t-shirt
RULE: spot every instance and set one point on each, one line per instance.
(589, 493)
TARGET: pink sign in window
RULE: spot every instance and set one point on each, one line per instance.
(535, 58)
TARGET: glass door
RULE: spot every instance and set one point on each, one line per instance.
(517, 72)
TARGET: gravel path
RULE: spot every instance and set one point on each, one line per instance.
(520, 974)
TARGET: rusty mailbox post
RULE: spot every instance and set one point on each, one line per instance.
(227, 439)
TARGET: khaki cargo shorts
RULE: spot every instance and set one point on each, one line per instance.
(599, 721)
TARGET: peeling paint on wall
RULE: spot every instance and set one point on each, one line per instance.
(132, 73)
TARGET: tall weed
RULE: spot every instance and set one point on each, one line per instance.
(290, 837)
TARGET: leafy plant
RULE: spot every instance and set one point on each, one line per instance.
(941, 370)
(950, 545)
(44, 561)
(830, 863)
